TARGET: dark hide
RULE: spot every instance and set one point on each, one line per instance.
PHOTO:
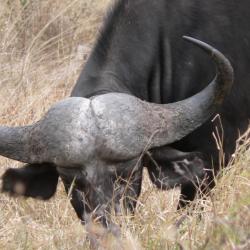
(140, 52)
(32, 180)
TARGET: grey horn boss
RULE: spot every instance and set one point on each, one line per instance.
(99, 143)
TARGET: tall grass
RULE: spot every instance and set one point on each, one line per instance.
(43, 46)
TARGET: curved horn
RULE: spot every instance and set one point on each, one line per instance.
(185, 116)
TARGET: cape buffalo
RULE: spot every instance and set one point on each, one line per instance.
(99, 143)
(140, 52)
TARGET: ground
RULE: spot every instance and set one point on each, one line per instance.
(43, 46)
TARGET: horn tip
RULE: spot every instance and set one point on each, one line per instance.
(206, 47)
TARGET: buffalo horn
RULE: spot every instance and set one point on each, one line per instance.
(185, 116)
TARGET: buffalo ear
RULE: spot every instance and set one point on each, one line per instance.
(168, 167)
(33, 180)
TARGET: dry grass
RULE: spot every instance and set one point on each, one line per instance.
(42, 47)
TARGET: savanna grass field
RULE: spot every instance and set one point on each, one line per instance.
(43, 47)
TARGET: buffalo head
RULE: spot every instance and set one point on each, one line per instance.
(97, 145)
